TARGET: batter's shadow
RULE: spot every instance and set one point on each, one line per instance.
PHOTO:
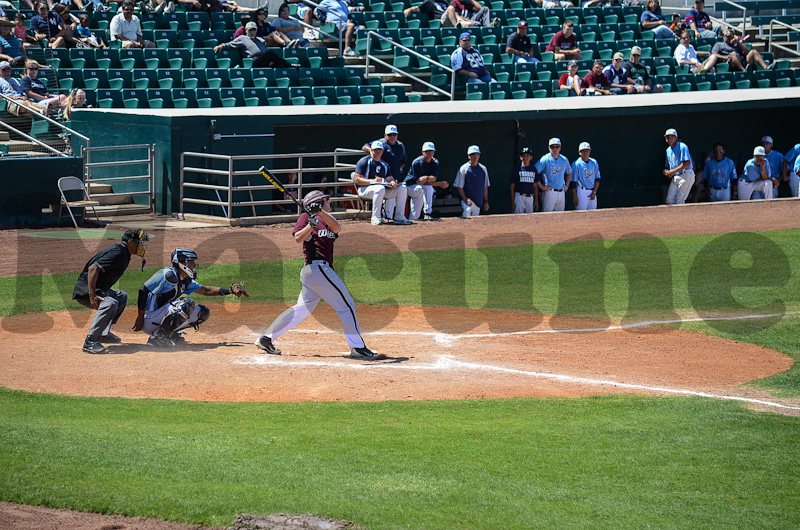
(130, 349)
(387, 360)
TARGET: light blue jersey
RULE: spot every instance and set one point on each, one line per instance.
(720, 174)
(553, 171)
(752, 172)
(791, 157)
(677, 155)
(165, 286)
(585, 173)
(775, 160)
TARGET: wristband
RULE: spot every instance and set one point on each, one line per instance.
(224, 291)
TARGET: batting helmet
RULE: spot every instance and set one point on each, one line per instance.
(180, 258)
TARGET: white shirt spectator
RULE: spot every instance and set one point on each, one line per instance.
(130, 30)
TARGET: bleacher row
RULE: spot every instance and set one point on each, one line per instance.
(183, 70)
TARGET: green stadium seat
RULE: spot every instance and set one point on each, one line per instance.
(223, 20)
(227, 58)
(724, 80)
(231, 97)
(393, 20)
(685, 82)
(194, 78)
(119, 78)
(286, 77)
(166, 38)
(347, 95)
(109, 99)
(155, 58)
(183, 98)
(317, 56)
(133, 98)
(784, 78)
(324, 95)
(131, 58)
(764, 78)
(301, 95)
(520, 90)
(263, 77)
(208, 98)
(498, 90)
(309, 76)
(541, 89)
(393, 94)
(169, 78)
(204, 58)
(503, 72)
(69, 78)
(369, 94)
(254, 97)
(144, 79)
(525, 71)
(81, 58)
(158, 98)
(94, 78)
(704, 82)
(241, 77)
(477, 91)
(217, 78)
(592, 13)
(743, 80)
(176, 21)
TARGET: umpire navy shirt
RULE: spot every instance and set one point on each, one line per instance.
(112, 263)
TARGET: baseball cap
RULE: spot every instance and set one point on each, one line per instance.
(522, 24)
(4, 65)
(765, 139)
(584, 145)
(554, 141)
(135, 235)
(473, 149)
(526, 151)
(759, 151)
(619, 56)
(671, 132)
(465, 35)
(428, 146)
(312, 197)
(636, 50)
(573, 63)
(390, 129)
(251, 25)
(377, 144)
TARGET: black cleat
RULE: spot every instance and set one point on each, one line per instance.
(265, 343)
(157, 341)
(90, 346)
(110, 339)
(366, 355)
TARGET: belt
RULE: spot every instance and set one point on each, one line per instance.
(745, 180)
(715, 188)
(525, 194)
(587, 189)
(562, 189)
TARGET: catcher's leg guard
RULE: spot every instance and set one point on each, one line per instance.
(202, 315)
(179, 312)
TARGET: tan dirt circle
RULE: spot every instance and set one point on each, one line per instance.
(514, 359)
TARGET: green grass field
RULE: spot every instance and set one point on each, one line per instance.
(612, 461)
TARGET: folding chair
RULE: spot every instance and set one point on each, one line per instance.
(66, 184)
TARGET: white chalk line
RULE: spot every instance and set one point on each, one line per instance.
(446, 363)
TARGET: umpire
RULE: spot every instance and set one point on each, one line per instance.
(93, 288)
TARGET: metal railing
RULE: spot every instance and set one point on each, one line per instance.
(781, 47)
(737, 6)
(149, 178)
(370, 57)
(65, 133)
(303, 168)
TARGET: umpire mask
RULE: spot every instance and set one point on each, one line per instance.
(138, 236)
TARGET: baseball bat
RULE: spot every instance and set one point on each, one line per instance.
(275, 182)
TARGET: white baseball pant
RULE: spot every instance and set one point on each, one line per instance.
(553, 201)
(153, 319)
(584, 203)
(794, 183)
(747, 188)
(469, 211)
(386, 198)
(680, 186)
(720, 195)
(421, 199)
(523, 203)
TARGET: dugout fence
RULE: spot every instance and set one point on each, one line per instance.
(231, 187)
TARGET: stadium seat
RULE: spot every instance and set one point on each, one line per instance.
(324, 95)
(263, 77)
(109, 99)
(183, 98)
(231, 97)
(194, 78)
(301, 95)
(286, 77)
(119, 78)
(204, 58)
(81, 58)
(477, 91)
(94, 78)
(217, 78)
(158, 98)
(240, 77)
(723, 81)
(169, 78)
(133, 98)
(369, 94)
(254, 97)
(69, 78)
(131, 58)
(277, 96)
(347, 95)
(208, 98)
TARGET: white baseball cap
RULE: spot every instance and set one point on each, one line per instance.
(584, 145)
(390, 129)
(759, 151)
(554, 141)
(473, 149)
(671, 132)
(428, 146)
(377, 144)
(767, 139)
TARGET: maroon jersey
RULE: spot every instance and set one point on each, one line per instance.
(319, 244)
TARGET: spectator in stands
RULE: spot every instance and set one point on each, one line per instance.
(375, 182)
(597, 81)
(564, 44)
(755, 177)
(638, 74)
(126, 28)
(433, 8)
(67, 23)
(699, 21)
(685, 55)
(466, 60)
(243, 20)
(519, 45)
(85, 34)
(654, 21)
(270, 35)
(572, 82)
(11, 48)
(27, 4)
(472, 185)
(35, 90)
(467, 13)
(75, 100)
(10, 88)
(47, 25)
(289, 27)
(736, 54)
(548, 4)
(719, 174)
(254, 47)
(21, 32)
(617, 76)
(306, 12)
(337, 12)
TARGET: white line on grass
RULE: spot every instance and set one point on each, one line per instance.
(447, 363)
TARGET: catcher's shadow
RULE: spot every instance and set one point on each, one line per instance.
(130, 349)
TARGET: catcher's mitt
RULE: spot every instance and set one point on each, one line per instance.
(238, 290)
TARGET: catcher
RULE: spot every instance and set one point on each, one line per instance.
(162, 311)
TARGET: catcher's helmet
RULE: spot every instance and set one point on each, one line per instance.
(180, 258)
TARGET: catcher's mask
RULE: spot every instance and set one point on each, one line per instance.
(185, 260)
(139, 236)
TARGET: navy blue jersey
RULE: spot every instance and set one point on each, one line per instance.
(165, 286)
(523, 178)
(371, 169)
(395, 156)
(420, 168)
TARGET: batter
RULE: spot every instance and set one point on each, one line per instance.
(317, 233)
